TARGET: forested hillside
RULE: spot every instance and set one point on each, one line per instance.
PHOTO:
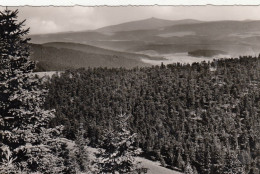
(63, 56)
(168, 37)
(203, 116)
(28, 145)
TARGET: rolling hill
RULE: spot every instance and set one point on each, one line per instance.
(146, 24)
(206, 53)
(104, 34)
(62, 56)
(217, 28)
(165, 36)
(77, 37)
(96, 50)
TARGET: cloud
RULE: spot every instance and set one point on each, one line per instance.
(58, 19)
(43, 26)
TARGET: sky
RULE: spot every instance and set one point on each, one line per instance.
(60, 19)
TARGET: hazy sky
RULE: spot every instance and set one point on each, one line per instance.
(58, 19)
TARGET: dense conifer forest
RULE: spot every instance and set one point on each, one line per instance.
(27, 142)
(202, 117)
(196, 118)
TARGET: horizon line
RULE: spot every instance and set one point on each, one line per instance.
(94, 30)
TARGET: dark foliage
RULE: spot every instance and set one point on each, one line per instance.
(119, 153)
(205, 53)
(27, 145)
(12, 41)
(205, 114)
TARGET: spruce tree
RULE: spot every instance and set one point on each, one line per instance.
(26, 143)
(14, 46)
(188, 169)
(233, 165)
(82, 162)
(119, 152)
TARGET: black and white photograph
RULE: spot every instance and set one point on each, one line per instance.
(130, 89)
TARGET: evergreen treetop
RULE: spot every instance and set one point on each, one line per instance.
(27, 144)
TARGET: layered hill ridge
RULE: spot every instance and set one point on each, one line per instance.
(218, 27)
(157, 36)
(145, 24)
(95, 50)
(59, 56)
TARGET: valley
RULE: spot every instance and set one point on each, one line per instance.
(146, 42)
(93, 95)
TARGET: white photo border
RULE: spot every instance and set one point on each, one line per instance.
(125, 2)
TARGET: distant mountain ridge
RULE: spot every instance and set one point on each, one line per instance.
(104, 33)
(206, 53)
(59, 56)
(94, 50)
(167, 37)
(217, 27)
(145, 24)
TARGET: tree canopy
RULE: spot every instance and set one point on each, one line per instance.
(27, 144)
(199, 113)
